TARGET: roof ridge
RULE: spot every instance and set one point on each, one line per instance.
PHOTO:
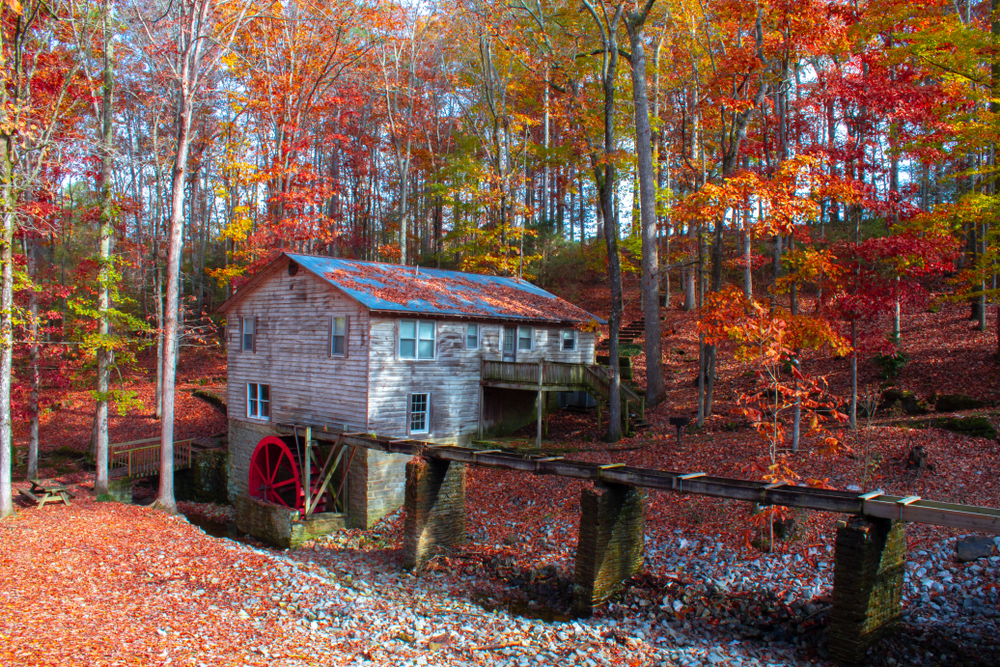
(416, 267)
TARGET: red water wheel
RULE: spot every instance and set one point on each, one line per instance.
(276, 475)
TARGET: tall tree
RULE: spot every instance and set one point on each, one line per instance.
(202, 31)
(34, 104)
(655, 388)
(607, 19)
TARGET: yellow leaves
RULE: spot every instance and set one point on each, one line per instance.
(226, 274)
(240, 225)
(15, 6)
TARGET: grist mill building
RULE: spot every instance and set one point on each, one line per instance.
(347, 346)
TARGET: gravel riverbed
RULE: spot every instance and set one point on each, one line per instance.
(696, 603)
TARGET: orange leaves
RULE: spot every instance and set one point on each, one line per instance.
(784, 201)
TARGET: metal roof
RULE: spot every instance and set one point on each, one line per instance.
(419, 290)
(423, 291)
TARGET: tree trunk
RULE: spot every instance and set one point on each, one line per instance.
(6, 329)
(854, 375)
(165, 499)
(655, 388)
(105, 266)
(33, 360)
(604, 173)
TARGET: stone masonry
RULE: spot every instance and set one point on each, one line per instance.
(612, 543)
(243, 438)
(376, 486)
(435, 509)
(869, 563)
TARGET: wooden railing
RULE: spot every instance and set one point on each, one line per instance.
(526, 373)
(139, 458)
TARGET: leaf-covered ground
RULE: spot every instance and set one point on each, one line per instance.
(104, 583)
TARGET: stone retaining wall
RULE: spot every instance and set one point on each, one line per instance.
(281, 526)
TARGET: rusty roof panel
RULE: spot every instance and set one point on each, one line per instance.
(419, 291)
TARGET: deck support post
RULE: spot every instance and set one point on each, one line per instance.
(435, 509)
(482, 396)
(869, 563)
(612, 543)
(541, 399)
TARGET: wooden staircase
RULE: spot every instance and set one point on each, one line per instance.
(630, 333)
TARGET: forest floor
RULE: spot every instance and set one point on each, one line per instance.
(112, 584)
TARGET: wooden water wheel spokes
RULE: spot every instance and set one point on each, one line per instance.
(274, 474)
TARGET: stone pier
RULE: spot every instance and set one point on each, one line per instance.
(435, 509)
(612, 543)
(869, 563)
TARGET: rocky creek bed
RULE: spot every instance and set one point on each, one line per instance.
(697, 603)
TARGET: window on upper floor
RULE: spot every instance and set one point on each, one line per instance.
(524, 338)
(248, 334)
(471, 336)
(568, 340)
(416, 339)
(338, 335)
(258, 401)
(420, 413)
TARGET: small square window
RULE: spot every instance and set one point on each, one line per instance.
(419, 413)
(258, 401)
(524, 338)
(249, 332)
(569, 340)
(472, 336)
(338, 337)
(416, 339)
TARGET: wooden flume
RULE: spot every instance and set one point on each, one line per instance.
(872, 504)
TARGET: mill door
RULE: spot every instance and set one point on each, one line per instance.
(510, 343)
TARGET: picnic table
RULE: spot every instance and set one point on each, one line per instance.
(46, 493)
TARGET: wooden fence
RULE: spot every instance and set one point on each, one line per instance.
(140, 458)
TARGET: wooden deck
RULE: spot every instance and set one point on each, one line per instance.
(140, 458)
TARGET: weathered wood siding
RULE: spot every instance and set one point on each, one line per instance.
(546, 344)
(307, 385)
(451, 379)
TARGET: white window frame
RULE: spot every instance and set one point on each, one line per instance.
(530, 337)
(334, 336)
(478, 335)
(573, 337)
(416, 341)
(254, 325)
(255, 404)
(426, 413)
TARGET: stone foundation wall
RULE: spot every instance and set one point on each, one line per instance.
(612, 543)
(243, 438)
(435, 509)
(376, 486)
(207, 481)
(869, 564)
(281, 526)
(268, 523)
